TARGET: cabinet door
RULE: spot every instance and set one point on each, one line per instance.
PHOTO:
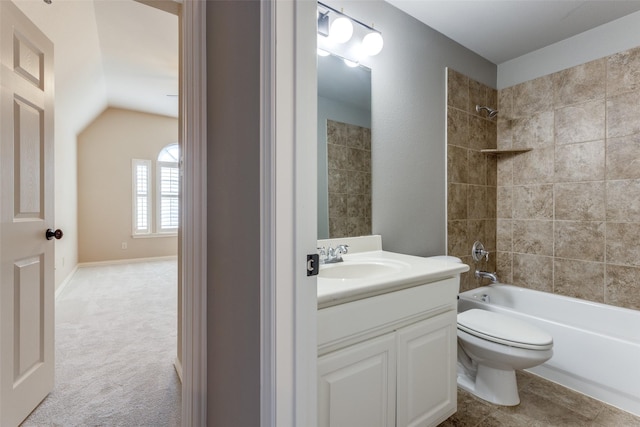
(427, 371)
(356, 385)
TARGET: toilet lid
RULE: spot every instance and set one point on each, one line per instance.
(503, 329)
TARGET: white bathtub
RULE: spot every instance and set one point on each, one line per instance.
(596, 347)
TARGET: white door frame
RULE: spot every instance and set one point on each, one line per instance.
(194, 217)
(288, 161)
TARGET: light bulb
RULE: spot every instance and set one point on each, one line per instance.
(350, 63)
(372, 43)
(341, 30)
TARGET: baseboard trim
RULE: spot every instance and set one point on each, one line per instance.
(65, 282)
(127, 261)
(178, 366)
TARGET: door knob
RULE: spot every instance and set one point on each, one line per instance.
(50, 234)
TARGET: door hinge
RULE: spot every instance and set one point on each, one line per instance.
(313, 265)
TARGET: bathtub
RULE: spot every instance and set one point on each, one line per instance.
(596, 347)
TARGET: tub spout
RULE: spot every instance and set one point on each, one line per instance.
(486, 275)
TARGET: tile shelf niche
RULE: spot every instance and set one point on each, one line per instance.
(505, 151)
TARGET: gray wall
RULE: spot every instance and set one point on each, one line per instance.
(409, 125)
(233, 209)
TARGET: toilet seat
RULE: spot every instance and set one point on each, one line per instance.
(503, 329)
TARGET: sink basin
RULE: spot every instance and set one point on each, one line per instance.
(359, 269)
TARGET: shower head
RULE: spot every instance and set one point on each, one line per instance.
(491, 113)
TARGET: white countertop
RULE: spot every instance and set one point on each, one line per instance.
(412, 271)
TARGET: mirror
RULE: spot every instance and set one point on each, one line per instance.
(344, 149)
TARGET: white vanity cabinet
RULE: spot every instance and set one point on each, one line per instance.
(390, 359)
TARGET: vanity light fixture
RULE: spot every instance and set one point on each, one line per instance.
(350, 63)
(322, 52)
(340, 30)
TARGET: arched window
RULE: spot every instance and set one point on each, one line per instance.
(167, 186)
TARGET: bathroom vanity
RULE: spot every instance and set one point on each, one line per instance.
(386, 339)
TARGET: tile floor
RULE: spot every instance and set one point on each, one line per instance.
(542, 403)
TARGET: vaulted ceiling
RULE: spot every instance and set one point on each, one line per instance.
(118, 53)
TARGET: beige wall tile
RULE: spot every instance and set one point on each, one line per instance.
(492, 170)
(580, 162)
(358, 227)
(457, 166)
(623, 200)
(457, 239)
(338, 227)
(337, 181)
(356, 206)
(457, 127)
(358, 182)
(622, 286)
(505, 103)
(337, 156)
(580, 122)
(533, 202)
(623, 114)
(337, 205)
(622, 243)
(355, 137)
(533, 237)
(457, 90)
(581, 201)
(504, 133)
(478, 133)
(504, 233)
(484, 231)
(533, 271)
(457, 201)
(580, 240)
(505, 169)
(504, 266)
(477, 203)
(533, 131)
(623, 72)
(534, 167)
(533, 97)
(504, 202)
(336, 132)
(579, 279)
(623, 157)
(477, 167)
(358, 159)
(581, 83)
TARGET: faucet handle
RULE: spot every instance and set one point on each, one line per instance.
(478, 252)
(342, 249)
(322, 251)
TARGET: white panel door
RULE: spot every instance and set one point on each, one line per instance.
(427, 371)
(26, 212)
(356, 385)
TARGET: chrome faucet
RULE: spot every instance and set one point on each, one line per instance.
(332, 255)
(486, 275)
(479, 254)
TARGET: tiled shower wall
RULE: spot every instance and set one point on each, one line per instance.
(349, 163)
(471, 175)
(568, 212)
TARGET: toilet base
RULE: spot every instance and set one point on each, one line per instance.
(493, 385)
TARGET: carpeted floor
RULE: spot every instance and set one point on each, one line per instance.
(115, 348)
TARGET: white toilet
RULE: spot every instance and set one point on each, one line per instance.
(491, 346)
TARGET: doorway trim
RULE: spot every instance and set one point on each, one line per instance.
(194, 214)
